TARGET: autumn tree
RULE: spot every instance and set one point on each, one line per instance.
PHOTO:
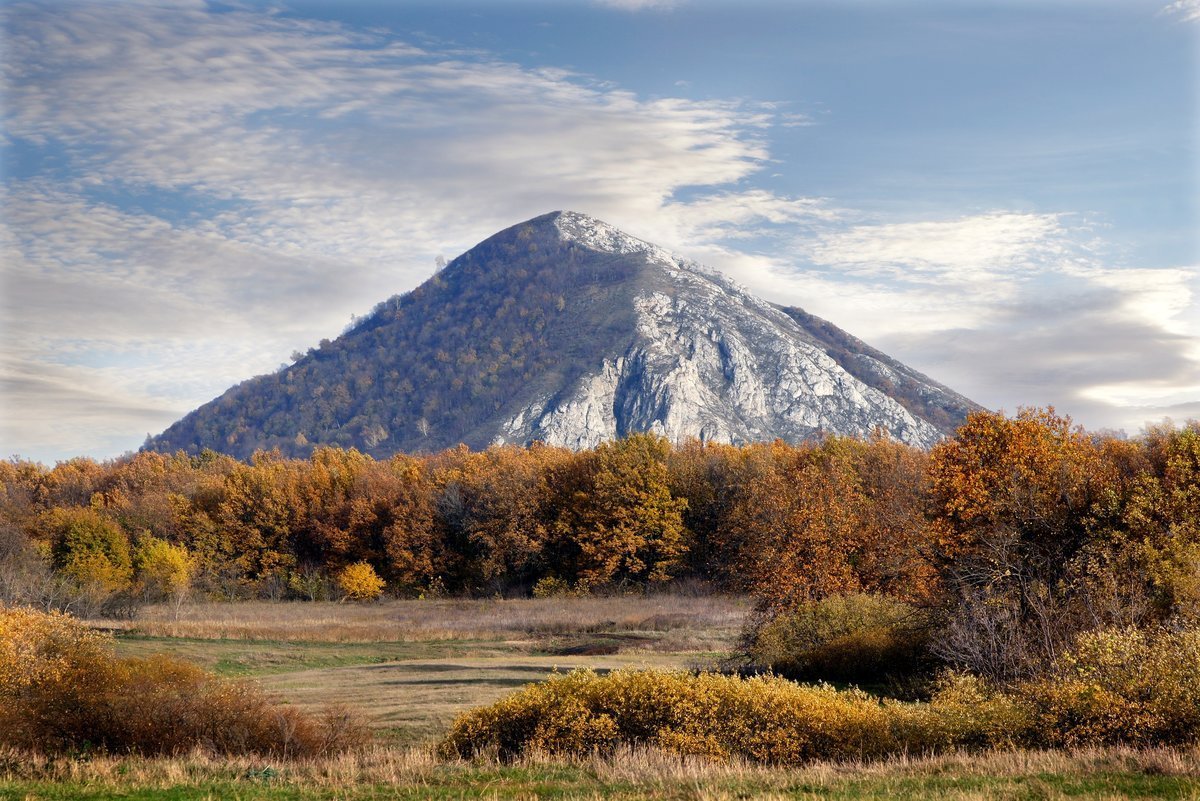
(328, 488)
(71, 483)
(163, 570)
(705, 475)
(92, 551)
(794, 520)
(260, 512)
(893, 547)
(491, 506)
(397, 515)
(1016, 500)
(616, 519)
(360, 582)
(1162, 518)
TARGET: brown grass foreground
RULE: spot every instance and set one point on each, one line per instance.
(627, 772)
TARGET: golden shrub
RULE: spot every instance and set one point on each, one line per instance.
(62, 688)
(1115, 687)
(554, 587)
(360, 582)
(764, 719)
(858, 637)
(1126, 685)
(970, 711)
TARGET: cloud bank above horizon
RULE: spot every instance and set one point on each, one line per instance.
(191, 193)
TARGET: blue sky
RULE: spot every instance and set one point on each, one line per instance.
(1004, 195)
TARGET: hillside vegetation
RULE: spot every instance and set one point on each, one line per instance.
(435, 366)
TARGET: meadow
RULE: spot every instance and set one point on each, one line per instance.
(408, 667)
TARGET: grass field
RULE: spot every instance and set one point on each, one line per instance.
(410, 666)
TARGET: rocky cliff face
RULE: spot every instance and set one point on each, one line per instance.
(707, 360)
(566, 330)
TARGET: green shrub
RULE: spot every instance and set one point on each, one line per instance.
(62, 689)
(858, 638)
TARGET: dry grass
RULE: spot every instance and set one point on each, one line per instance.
(670, 622)
(638, 773)
(413, 665)
(416, 700)
(410, 667)
(642, 765)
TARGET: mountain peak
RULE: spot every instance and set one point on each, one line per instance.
(566, 330)
(586, 230)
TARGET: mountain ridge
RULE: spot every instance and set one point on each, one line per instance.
(566, 330)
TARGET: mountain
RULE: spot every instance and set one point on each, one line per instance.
(566, 330)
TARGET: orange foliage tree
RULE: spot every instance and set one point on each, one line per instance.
(1017, 502)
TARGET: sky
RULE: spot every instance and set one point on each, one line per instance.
(1004, 195)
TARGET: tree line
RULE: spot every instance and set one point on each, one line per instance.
(1020, 530)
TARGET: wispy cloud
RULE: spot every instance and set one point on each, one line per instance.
(1185, 10)
(963, 250)
(316, 170)
(1034, 297)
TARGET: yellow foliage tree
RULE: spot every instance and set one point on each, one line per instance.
(360, 582)
(92, 551)
(164, 570)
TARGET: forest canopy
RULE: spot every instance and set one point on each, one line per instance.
(1029, 516)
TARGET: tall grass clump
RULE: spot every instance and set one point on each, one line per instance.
(62, 689)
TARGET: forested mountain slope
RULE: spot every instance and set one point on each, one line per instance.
(565, 330)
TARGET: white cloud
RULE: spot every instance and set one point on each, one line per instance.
(962, 251)
(1186, 10)
(1014, 309)
(640, 5)
(316, 170)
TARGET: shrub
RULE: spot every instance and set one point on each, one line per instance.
(764, 719)
(972, 712)
(360, 582)
(554, 587)
(859, 638)
(1131, 686)
(1123, 686)
(62, 689)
